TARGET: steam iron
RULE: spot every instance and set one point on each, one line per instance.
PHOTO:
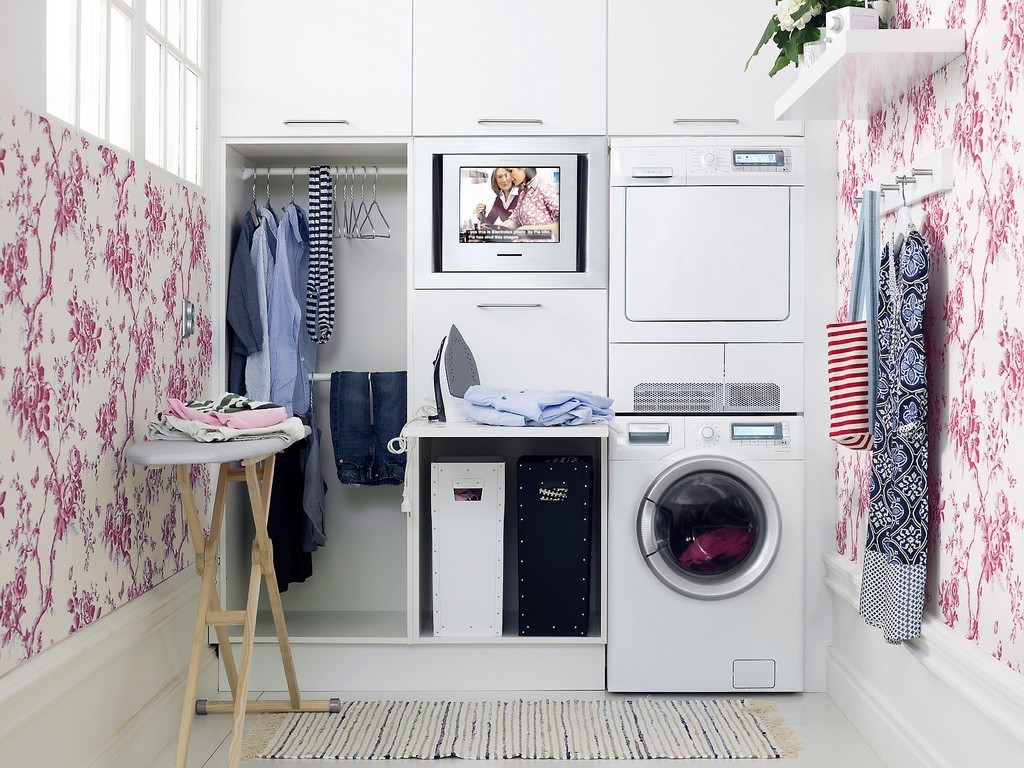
(459, 371)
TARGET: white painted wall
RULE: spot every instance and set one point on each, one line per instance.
(819, 468)
(23, 53)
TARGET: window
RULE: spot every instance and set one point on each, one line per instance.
(130, 72)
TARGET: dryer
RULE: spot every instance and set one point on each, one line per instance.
(706, 275)
(705, 554)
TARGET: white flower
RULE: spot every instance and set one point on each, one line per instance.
(786, 9)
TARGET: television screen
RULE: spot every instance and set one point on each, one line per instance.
(509, 205)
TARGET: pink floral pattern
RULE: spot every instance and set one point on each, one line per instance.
(94, 258)
(974, 317)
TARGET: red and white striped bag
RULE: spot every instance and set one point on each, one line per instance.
(848, 390)
(847, 344)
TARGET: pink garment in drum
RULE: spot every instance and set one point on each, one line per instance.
(717, 550)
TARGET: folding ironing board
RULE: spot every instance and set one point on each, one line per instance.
(182, 454)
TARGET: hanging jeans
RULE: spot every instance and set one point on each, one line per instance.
(367, 410)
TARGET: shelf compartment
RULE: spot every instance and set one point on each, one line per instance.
(332, 626)
(865, 70)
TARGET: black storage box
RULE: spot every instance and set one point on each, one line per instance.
(555, 512)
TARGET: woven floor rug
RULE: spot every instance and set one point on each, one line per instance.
(639, 729)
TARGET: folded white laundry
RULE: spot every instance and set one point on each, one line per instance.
(167, 427)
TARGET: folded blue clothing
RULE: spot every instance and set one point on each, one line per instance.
(535, 407)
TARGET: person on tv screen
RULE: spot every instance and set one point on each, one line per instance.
(537, 208)
(506, 196)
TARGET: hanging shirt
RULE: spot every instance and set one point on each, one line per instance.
(284, 309)
(257, 364)
(244, 323)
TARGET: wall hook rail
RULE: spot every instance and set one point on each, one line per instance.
(926, 177)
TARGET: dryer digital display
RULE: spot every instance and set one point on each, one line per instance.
(744, 157)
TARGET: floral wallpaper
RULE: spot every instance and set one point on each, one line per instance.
(974, 317)
(95, 256)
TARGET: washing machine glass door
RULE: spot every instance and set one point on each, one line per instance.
(709, 527)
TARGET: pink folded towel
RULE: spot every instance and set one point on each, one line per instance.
(253, 415)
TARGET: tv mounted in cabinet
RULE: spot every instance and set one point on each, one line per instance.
(505, 209)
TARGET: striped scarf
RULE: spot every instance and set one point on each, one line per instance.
(320, 286)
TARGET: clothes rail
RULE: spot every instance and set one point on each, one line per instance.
(303, 170)
(929, 176)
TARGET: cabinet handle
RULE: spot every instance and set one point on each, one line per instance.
(510, 121)
(685, 120)
(316, 122)
(506, 306)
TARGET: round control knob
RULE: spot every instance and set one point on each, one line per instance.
(709, 159)
(707, 432)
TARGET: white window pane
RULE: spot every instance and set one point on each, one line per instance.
(192, 136)
(119, 102)
(92, 67)
(61, 57)
(155, 14)
(193, 30)
(174, 23)
(154, 101)
(172, 115)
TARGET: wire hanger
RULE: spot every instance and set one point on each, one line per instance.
(268, 206)
(293, 185)
(374, 205)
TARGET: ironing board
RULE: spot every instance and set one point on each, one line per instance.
(182, 454)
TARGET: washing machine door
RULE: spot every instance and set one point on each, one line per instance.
(709, 527)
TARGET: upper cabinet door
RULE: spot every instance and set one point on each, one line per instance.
(316, 68)
(531, 67)
(676, 68)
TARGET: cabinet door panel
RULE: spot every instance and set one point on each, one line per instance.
(522, 339)
(676, 67)
(497, 69)
(297, 69)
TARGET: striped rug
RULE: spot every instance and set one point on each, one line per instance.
(639, 729)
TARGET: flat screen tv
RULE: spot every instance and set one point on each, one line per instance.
(509, 212)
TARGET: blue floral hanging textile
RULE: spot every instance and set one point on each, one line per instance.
(892, 590)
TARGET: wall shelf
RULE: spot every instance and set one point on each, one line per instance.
(864, 70)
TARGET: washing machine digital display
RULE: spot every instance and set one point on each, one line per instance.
(771, 431)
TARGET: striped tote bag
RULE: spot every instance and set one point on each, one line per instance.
(848, 384)
(850, 346)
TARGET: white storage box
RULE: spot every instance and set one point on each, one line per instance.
(467, 515)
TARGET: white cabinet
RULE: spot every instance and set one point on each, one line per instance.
(533, 67)
(519, 338)
(316, 68)
(676, 68)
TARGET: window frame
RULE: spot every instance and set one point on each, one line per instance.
(141, 32)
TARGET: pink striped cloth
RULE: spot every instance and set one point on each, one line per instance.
(848, 390)
(257, 417)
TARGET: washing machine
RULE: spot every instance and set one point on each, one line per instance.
(705, 554)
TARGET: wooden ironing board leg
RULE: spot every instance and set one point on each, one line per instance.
(259, 482)
(206, 567)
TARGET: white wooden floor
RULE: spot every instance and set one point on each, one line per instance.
(829, 739)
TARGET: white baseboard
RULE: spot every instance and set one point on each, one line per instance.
(934, 702)
(109, 695)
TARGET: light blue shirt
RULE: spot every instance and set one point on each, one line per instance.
(285, 312)
(257, 364)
